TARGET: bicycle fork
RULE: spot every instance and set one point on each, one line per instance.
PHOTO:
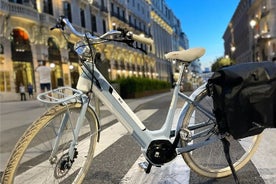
(72, 151)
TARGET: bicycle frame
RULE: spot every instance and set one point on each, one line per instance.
(105, 92)
(159, 140)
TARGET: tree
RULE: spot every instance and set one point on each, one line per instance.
(221, 62)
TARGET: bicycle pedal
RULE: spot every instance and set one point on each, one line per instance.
(146, 166)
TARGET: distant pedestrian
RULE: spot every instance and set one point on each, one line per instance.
(44, 76)
(22, 92)
(30, 91)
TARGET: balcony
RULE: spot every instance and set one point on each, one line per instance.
(103, 8)
(47, 19)
(118, 16)
(19, 10)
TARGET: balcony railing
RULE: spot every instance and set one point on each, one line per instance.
(19, 10)
(47, 19)
(23, 11)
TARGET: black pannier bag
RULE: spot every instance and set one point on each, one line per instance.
(244, 97)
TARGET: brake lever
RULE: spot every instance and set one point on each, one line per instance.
(60, 24)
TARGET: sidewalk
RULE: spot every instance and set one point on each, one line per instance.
(19, 108)
(19, 113)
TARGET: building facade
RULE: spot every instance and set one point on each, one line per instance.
(251, 32)
(168, 36)
(26, 40)
(262, 21)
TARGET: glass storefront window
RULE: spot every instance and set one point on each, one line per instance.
(5, 82)
(23, 73)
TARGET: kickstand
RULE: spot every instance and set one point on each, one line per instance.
(146, 166)
(226, 146)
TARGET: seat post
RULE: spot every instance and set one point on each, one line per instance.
(183, 69)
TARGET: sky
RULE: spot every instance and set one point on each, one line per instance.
(204, 22)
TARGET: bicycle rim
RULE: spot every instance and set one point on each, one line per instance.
(29, 161)
(210, 160)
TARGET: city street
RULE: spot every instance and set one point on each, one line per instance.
(117, 155)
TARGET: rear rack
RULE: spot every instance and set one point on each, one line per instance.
(60, 95)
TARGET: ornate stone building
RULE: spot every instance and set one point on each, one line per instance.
(251, 33)
(26, 39)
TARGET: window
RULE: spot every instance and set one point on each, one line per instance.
(123, 14)
(82, 18)
(102, 3)
(16, 1)
(1, 49)
(20, 46)
(129, 19)
(5, 83)
(112, 8)
(48, 6)
(67, 10)
(118, 11)
(104, 26)
(94, 23)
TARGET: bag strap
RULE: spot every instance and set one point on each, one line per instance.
(226, 146)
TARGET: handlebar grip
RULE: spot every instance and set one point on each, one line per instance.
(142, 39)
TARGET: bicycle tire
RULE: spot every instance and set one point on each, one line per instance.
(29, 164)
(210, 160)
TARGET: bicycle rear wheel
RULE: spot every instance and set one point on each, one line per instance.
(29, 161)
(210, 160)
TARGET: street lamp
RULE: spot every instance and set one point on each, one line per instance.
(253, 23)
(113, 25)
(233, 48)
(71, 67)
(52, 65)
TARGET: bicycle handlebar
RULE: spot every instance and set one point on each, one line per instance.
(142, 39)
(63, 21)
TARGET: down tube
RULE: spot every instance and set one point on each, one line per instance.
(122, 111)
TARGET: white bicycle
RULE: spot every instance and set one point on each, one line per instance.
(59, 146)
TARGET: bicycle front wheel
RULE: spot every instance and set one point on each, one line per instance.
(210, 160)
(30, 160)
